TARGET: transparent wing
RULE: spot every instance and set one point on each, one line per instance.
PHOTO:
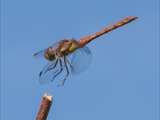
(50, 71)
(40, 54)
(81, 59)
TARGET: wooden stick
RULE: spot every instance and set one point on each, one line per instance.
(45, 107)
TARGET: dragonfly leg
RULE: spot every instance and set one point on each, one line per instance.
(61, 67)
(68, 73)
(70, 65)
(55, 64)
(60, 62)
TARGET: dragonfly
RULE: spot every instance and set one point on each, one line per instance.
(70, 54)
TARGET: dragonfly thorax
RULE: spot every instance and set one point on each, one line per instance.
(50, 54)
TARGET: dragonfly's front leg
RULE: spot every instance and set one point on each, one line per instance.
(61, 67)
(59, 71)
(55, 64)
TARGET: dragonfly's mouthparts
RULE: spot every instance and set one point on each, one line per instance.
(50, 54)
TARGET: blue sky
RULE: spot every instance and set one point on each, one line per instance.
(122, 81)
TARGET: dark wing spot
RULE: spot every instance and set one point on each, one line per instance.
(40, 73)
(35, 54)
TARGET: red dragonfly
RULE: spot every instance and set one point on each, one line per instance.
(71, 53)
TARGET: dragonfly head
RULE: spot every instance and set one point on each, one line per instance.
(50, 54)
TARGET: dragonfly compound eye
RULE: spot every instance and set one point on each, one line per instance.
(50, 54)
